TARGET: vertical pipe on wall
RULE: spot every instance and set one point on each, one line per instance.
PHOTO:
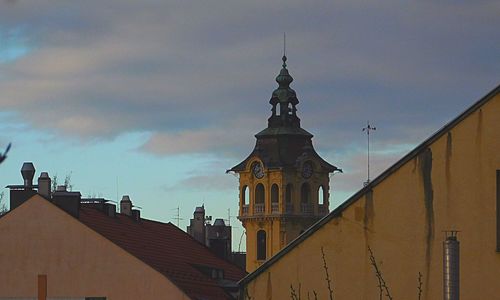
(451, 266)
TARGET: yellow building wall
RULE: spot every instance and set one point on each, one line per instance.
(39, 238)
(451, 185)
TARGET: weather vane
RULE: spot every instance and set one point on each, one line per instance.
(368, 128)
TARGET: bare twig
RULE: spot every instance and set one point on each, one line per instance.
(420, 283)
(3, 207)
(293, 294)
(315, 295)
(382, 285)
(247, 295)
(328, 280)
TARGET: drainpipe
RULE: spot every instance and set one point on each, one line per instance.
(451, 266)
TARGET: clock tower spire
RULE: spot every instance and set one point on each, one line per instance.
(284, 183)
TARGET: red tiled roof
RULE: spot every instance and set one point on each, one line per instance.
(165, 248)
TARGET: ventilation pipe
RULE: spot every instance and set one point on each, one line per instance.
(451, 266)
(28, 172)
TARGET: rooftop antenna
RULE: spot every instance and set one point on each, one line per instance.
(117, 200)
(177, 217)
(368, 128)
(229, 216)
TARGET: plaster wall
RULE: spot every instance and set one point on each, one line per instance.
(449, 185)
(39, 238)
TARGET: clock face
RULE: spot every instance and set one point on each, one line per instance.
(307, 169)
(257, 170)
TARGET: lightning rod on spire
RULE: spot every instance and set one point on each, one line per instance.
(284, 43)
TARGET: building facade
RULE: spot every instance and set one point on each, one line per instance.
(57, 245)
(284, 184)
(450, 182)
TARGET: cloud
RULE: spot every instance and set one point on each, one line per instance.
(219, 183)
(354, 165)
(198, 76)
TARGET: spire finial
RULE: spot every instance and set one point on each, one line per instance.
(284, 50)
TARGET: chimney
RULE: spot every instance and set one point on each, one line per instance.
(68, 201)
(110, 209)
(451, 266)
(136, 214)
(28, 172)
(219, 238)
(126, 205)
(196, 226)
(20, 193)
(44, 183)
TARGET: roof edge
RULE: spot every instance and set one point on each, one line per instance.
(337, 212)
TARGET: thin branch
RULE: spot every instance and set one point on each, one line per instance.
(420, 283)
(247, 295)
(328, 280)
(382, 285)
(293, 293)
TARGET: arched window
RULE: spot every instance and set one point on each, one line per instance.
(259, 194)
(321, 195)
(245, 195)
(278, 109)
(275, 193)
(305, 193)
(289, 192)
(261, 245)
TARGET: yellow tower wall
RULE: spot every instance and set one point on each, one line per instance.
(280, 227)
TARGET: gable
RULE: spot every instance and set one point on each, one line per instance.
(39, 238)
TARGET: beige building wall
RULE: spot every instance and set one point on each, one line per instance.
(449, 185)
(39, 238)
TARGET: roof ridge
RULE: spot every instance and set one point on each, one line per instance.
(338, 211)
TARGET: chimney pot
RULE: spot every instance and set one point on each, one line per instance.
(126, 205)
(28, 172)
(44, 185)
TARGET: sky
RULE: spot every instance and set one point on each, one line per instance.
(157, 99)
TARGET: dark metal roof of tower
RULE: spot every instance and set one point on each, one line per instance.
(283, 142)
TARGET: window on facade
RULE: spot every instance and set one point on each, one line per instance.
(260, 194)
(321, 195)
(275, 193)
(261, 245)
(289, 191)
(278, 109)
(305, 193)
(244, 195)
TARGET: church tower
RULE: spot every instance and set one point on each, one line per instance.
(284, 183)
